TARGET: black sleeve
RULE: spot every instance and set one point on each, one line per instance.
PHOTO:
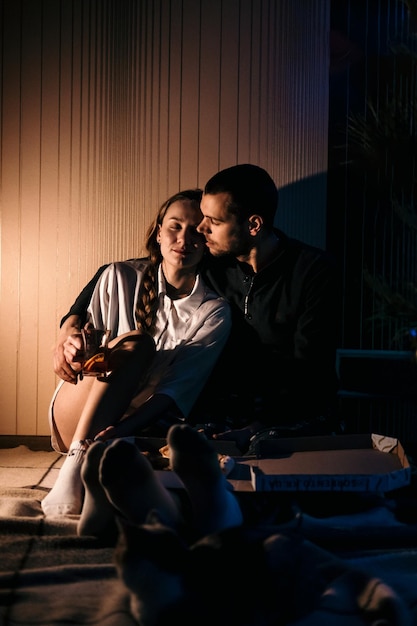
(83, 299)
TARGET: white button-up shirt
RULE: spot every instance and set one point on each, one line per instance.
(189, 335)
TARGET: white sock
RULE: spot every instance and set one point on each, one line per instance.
(196, 462)
(66, 496)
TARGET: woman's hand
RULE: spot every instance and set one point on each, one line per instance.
(106, 434)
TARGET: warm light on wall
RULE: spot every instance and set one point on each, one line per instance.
(107, 110)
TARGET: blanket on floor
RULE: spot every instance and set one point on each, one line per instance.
(51, 576)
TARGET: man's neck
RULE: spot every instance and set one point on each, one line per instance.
(262, 254)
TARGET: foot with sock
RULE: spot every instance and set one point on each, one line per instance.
(98, 514)
(195, 461)
(132, 486)
(67, 494)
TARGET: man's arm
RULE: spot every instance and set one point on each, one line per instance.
(79, 307)
(69, 340)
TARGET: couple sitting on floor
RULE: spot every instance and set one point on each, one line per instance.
(227, 321)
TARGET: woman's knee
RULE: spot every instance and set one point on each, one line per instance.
(133, 340)
(133, 347)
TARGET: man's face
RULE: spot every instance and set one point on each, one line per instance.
(222, 232)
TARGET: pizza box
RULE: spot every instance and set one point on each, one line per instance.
(339, 463)
(336, 463)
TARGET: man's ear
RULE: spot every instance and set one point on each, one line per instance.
(255, 224)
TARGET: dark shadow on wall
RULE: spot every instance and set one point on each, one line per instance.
(302, 210)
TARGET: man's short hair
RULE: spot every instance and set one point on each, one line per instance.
(251, 188)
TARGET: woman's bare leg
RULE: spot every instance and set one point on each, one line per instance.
(67, 408)
(105, 402)
(82, 410)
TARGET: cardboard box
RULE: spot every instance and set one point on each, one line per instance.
(343, 463)
(339, 463)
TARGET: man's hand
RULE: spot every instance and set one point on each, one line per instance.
(241, 436)
(68, 349)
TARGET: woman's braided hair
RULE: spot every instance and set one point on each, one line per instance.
(147, 304)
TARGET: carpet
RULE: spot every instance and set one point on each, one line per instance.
(50, 576)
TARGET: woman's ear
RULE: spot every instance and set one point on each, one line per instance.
(158, 234)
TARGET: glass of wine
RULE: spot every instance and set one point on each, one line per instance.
(95, 360)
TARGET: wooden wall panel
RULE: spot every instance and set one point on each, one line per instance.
(110, 106)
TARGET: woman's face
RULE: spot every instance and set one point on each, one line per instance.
(181, 245)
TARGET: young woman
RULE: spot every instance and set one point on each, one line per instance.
(167, 331)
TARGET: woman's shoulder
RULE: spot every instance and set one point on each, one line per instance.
(128, 265)
(123, 273)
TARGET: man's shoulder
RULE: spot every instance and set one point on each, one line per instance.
(305, 252)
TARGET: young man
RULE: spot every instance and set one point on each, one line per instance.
(277, 371)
